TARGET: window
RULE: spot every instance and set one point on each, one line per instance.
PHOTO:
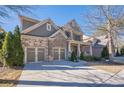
(77, 37)
(68, 34)
(48, 26)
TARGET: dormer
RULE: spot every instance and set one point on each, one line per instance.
(74, 25)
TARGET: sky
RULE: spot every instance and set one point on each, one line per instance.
(59, 14)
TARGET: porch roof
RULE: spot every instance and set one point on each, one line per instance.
(79, 42)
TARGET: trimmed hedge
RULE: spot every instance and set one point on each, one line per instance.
(91, 58)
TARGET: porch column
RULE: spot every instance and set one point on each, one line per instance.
(25, 58)
(36, 54)
(59, 54)
(91, 50)
(69, 48)
(79, 50)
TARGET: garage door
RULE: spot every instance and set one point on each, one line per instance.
(56, 54)
(30, 54)
(62, 54)
(41, 54)
(59, 54)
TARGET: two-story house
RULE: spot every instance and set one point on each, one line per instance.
(45, 41)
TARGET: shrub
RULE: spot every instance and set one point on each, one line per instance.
(73, 57)
(1, 57)
(91, 58)
(88, 58)
(82, 56)
(96, 58)
(122, 51)
(117, 53)
(105, 53)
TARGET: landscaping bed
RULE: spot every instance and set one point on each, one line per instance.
(9, 77)
(107, 66)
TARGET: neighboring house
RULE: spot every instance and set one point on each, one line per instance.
(45, 41)
(98, 43)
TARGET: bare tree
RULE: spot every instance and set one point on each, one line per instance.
(106, 19)
(6, 11)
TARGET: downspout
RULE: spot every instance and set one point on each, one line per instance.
(48, 49)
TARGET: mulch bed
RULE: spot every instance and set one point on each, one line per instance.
(9, 76)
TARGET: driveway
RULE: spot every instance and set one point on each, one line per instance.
(70, 74)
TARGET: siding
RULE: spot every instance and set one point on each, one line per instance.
(27, 24)
(42, 31)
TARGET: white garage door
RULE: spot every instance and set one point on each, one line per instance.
(62, 54)
(30, 54)
(41, 54)
(56, 54)
(59, 54)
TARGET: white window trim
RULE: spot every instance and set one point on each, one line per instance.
(48, 27)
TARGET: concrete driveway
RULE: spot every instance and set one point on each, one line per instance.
(66, 73)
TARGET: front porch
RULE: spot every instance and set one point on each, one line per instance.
(78, 47)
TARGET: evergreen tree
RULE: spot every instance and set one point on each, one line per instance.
(105, 53)
(73, 57)
(117, 53)
(2, 37)
(7, 50)
(19, 54)
(82, 56)
(122, 51)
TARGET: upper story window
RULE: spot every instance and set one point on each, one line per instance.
(77, 37)
(68, 34)
(48, 27)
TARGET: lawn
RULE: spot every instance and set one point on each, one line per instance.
(107, 66)
(9, 77)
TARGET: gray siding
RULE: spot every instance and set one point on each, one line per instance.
(97, 51)
(42, 31)
(27, 24)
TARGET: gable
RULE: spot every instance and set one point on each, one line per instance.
(42, 31)
(73, 25)
(26, 24)
(59, 40)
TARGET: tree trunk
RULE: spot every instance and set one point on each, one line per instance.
(110, 42)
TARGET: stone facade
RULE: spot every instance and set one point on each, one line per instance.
(59, 41)
(35, 42)
(56, 42)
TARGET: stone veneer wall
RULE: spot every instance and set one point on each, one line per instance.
(33, 41)
(58, 41)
